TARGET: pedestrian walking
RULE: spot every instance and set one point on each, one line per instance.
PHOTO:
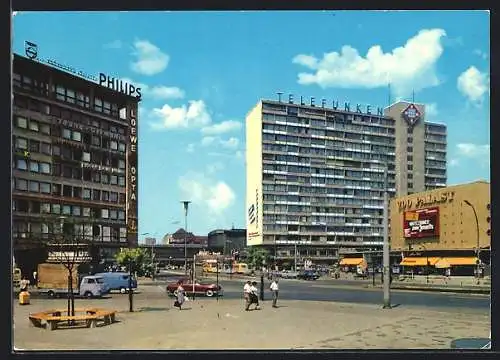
(23, 284)
(35, 282)
(254, 296)
(181, 295)
(274, 289)
(246, 294)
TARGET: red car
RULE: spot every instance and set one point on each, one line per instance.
(207, 289)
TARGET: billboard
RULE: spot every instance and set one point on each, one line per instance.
(421, 223)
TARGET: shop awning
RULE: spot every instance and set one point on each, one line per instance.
(351, 261)
(419, 261)
(447, 262)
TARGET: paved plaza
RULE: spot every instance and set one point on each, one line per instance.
(208, 324)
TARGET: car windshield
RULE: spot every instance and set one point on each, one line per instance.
(100, 280)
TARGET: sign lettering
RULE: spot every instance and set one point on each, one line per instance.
(334, 105)
(427, 200)
(119, 86)
(132, 177)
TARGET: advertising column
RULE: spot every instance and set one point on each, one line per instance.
(132, 176)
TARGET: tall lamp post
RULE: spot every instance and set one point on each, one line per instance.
(477, 238)
(386, 258)
(185, 203)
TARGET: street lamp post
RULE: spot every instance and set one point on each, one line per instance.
(477, 239)
(185, 203)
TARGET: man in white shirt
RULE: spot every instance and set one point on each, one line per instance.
(246, 294)
(254, 296)
(274, 289)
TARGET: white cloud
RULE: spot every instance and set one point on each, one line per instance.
(207, 140)
(431, 110)
(116, 44)
(231, 143)
(409, 67)
(473, 84)
(481, 54)
(150, 59)
(454, 162)
(221, 128)
(473, 150)
(213, 195)
(190, 148)
(193, 115)
(165, 92)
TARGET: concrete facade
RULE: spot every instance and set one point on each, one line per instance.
(315, 175)
(457, 224)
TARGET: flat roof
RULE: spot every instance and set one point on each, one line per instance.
(22, 61)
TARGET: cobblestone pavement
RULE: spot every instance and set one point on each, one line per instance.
(208, 324)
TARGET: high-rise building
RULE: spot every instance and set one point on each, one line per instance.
(315, 175)
(74, 157)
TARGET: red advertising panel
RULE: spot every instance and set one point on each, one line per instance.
(421, 223)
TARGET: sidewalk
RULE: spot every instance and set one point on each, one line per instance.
(208, 324)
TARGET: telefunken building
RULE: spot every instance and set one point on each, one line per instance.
(315, 172)
(74, 157)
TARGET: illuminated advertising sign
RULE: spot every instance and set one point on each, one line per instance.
(132, 176)
(421, 223)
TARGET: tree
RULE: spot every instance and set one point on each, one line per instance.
(139, 259)
(257, 257)
(70, 245)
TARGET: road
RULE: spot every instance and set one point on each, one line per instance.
(343, 291)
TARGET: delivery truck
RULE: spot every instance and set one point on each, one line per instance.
(53, 281)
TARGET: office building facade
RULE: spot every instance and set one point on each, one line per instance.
(75, 158)
(228, 241)
(315, 175)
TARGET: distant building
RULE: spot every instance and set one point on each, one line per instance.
(150, 241)
(226, 241)
(181, 235)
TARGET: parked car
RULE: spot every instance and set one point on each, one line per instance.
(118, 281)
(287, 274)
(308, 275)
(200, 288)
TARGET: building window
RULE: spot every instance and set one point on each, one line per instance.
(76, 210)
(45, 168)
(410, 140)
(66, 134)
(70, 96)
(105, 196)
(121, 164)
(34, 125)
(105, 178)
(121, 215)
(107, 107)
(113, 145)
(113, 214)
(56, 209)
(34, 186)
(34, 146)
(82, 100)
(86, 211)
(22, 184)
(123, 234)
(45, 129)
(22, 122)
(98, 104)
(409, 157)
(121, 147)
(45, 188)
(121, 180)
(409, 149)
(86, 156)
(96, 140)
(45, 148)
(104, 213)
(410, 176)
(34, 166)
(45, 208)
(66, 209)
(410, 185)
(76, 136)
(86, 194)
(114, 180)
(410, 167)
(21, 143)
(106, 230)
(113, 197)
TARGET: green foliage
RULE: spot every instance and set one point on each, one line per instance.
(139, 258)
(257, 257)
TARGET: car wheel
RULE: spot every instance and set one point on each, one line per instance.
(209, 293)
(88, 295)
(123, 290)
(51, 294)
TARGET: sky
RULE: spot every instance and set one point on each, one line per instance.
(201, 73)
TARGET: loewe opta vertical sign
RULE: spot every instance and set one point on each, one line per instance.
(132, 177)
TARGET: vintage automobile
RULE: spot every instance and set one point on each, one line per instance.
(308, 275)
(200, 288)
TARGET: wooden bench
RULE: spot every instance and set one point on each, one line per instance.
(91, 316)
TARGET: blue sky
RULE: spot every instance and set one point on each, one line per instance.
(201, 72)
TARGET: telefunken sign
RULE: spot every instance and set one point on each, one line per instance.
(334, 104)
